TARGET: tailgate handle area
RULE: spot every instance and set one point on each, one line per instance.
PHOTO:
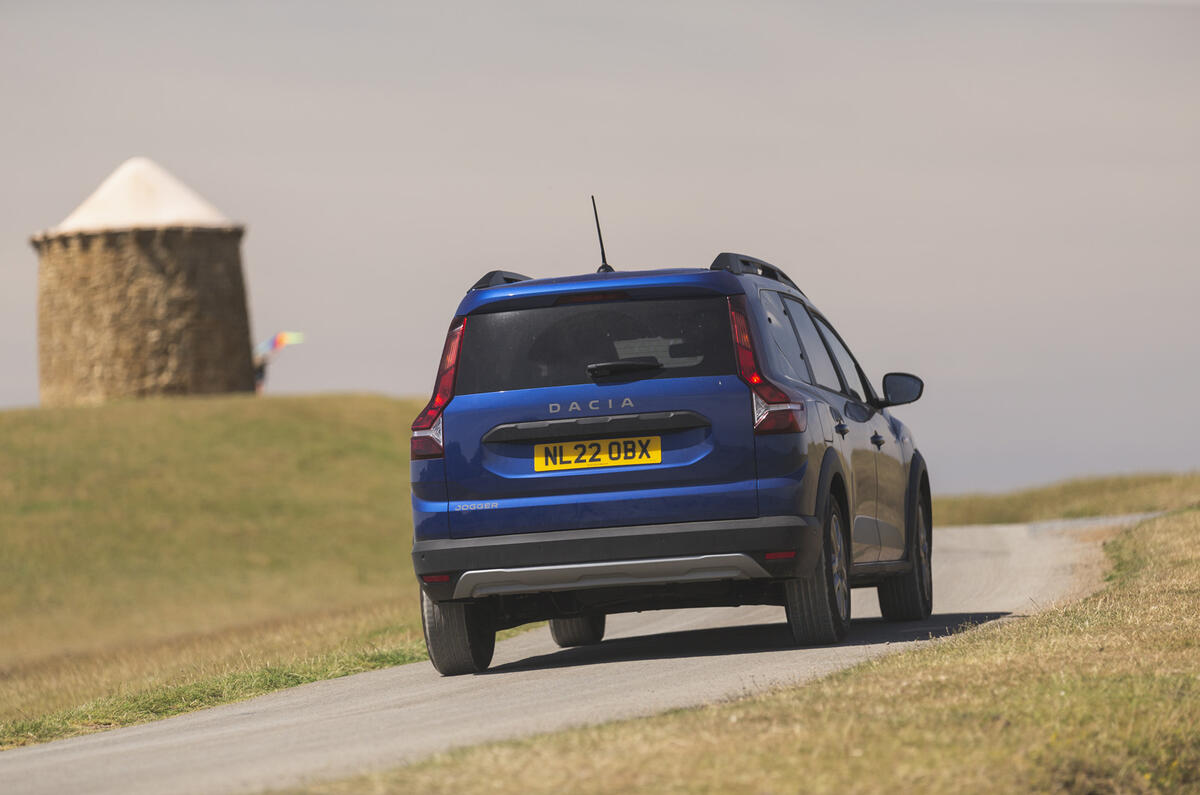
(584, 427)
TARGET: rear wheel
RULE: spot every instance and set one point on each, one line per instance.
(459, 636)
(909, 596)
(818, 606)
(581, 631)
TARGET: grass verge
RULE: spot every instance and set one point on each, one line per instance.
(268, 658)
(1098, 696)
(185, 693)
(1072, 499)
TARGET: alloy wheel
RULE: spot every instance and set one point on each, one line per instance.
(923, 555)
(837, 552)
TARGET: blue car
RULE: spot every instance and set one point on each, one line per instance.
(638, 440)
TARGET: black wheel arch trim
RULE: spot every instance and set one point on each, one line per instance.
(916, 469)
(831, 465)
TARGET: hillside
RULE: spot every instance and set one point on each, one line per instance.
(169, 540)
(1114, 495)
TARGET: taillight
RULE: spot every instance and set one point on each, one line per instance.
(774, 412)
(427, 427)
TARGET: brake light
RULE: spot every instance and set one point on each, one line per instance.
(427, 427)
(774, 411)
(590, 298)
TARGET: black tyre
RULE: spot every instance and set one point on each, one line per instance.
(581, 631)
(909, 596)
(459, 636)
(818, 606)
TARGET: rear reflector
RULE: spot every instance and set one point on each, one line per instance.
(435, 578)
(779, 417)
(427, 444)
(785, 555)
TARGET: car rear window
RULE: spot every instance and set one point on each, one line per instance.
(553, 346)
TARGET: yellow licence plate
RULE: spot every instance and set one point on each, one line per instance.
(598, 453)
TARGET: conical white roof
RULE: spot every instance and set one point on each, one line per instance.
(141, 194)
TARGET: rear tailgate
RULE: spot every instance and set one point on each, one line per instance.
(535, 443)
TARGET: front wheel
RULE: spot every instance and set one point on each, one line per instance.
(581, 631)
(909, 596)
(818, 606)
(459, 636)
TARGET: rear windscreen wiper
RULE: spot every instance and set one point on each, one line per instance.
(636, 364)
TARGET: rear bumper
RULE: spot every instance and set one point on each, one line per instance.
(617, 556)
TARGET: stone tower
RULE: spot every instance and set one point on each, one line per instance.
(140, 292)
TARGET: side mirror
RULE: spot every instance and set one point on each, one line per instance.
(901, 388)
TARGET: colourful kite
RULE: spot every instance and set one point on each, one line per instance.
(278, 342)
(266, 349)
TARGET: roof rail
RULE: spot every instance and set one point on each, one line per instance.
(498, 279)
(738, 264)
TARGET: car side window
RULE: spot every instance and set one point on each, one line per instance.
(818, 357)
(845, 362)
(785, 352)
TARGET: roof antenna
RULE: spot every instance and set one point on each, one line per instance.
(604, 266)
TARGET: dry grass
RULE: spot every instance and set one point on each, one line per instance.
(1095, 697)
(1107, 496)
(165, 555)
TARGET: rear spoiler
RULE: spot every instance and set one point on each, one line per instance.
(739, 264)
(498, 279)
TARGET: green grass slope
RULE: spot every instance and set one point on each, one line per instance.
(170, 542)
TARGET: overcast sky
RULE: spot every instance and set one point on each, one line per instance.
(1001, 197)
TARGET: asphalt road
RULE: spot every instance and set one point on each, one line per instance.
(648, 663)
